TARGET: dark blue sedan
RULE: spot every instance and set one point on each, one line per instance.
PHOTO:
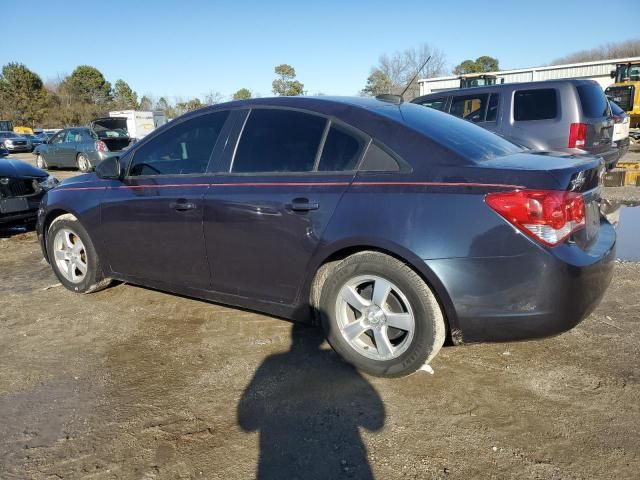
(392, 225)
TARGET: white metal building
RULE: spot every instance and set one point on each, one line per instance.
(599, 71)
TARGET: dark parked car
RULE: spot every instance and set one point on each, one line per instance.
(22, 186)
(84, 147)
(14, 142)
(555, 115)
(397, 224)
(35, 140)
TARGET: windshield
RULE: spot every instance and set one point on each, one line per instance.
(628, 72)
(463, 137)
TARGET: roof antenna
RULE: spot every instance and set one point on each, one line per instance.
(414, 77)
(398, 99)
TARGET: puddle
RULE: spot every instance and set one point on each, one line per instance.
(625, 217)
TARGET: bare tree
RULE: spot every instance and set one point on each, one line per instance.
(627, 48)
(393, 72)
(213, 97)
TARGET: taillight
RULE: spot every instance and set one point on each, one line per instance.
(577, 135)
(548, 216)
(101, 146)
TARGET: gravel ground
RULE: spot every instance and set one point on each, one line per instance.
(135, 383)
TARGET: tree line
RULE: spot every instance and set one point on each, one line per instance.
(86, 94)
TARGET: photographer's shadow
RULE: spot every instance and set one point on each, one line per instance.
(308, 406)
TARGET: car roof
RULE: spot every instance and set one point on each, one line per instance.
(509, 86)
(403, 127)
(320, 104)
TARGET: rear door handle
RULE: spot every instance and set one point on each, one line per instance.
(182, 205)
(302, 205)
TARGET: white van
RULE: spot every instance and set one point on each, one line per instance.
(140, 123)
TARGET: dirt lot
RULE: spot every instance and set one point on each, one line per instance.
(134, 383)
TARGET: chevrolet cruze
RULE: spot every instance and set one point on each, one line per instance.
(392, 225)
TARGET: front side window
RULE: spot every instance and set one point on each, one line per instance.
(469, 107)
(540, 104)
(278, 141)
(58, 137)
(183, 149)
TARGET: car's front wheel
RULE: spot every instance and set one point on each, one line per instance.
(73, 257)
(83, 163)
(41, 163)
(379, 315)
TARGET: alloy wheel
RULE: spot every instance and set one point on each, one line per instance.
(70, 255)
(375, 317)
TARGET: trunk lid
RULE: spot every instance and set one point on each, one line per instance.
(570, 172)
(112, 131)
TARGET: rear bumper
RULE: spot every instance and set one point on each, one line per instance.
(96, 157)
(623, 147)
(534, 295)
(611, 157)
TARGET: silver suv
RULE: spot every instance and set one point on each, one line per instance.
(571, 116)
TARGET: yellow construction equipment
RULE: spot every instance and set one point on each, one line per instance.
(469, 80)
(626, 90)
(22, 130)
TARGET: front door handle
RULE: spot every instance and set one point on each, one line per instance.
(182, 205)
(302, 205)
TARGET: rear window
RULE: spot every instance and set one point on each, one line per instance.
(540, 104)
(593, 100)
(468, 140)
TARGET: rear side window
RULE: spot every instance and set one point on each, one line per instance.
(341, 150)
(378, 160)
(593, 100)
(435, 103)
(278, 141)
(470, 107)
(182, 149)
(540, 104)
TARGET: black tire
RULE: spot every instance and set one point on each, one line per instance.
(41, 162)
(94, 278)
(429, 329)
(83, 163)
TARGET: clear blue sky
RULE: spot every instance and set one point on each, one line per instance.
(188, 48)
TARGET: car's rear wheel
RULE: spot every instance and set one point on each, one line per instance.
(41, 163)
(73, 257)
(83, 163)
(379, 315)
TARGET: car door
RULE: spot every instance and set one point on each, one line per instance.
(67, 149)
(50, 154)
(276, 189)
(152, 220)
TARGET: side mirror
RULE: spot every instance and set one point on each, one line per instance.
(109, 168)
(612, 74)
